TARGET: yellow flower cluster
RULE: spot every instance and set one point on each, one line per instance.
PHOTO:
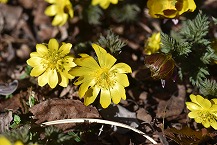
(104, 3)
(153, 44)
(52, 63)
(169, 8)
(5, 141)
(60, 9)
(104, 77)
(203, 110)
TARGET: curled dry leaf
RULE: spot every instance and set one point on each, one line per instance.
(8, 88)
(172, 108)
(56, 109)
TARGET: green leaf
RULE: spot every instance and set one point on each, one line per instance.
(127, 13)
(111, 42)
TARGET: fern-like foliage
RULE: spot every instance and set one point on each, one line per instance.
(21, 134)
(111, 42)
(128, 13)
(171, 45)
(209, 88)
(191, 49)
(198, 76)
(167, 43)
(93, 14)
(195, 30)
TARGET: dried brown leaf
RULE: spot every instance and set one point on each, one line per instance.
(55, 109)
(15, 103)
(187, 136)
(172, 108)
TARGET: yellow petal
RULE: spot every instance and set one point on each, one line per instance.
(88, 62)
(4, 141)
(41, 49)
(34, 61)
(91, 95)
(57, 20)
(64, 80)
(193, 114)
(53, 78)
(192, 106)
(64, 19)
(214, 101)
(18, 143)
(43, 79)
(114, 1)
(37, 71)
(205, 103)
(51, 1)
(79, 81)
(53, 45)
(206, 123)
(198, 119)
(122, 79)
(105, 4)
(35, 54)
(105, 59)
(80, 71)
(84, 87)
(213, 124)
(187, 5)
(51, 10)
(117, 92)
(214, 108)
(193, 98)
(65, 49)
(67, 62)
(105, 98)
(121, 68)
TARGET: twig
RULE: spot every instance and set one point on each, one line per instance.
(100, 121)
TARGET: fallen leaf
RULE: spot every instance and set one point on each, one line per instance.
(55, 109)
(7, 89)
(143, 115)
(173, 107)
(5, 119)
(187, 136)
(16, 102)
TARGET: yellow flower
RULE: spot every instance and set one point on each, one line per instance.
(169, 8)
(203, 111)
(60, 10)
(52, 63)
(3, 1)
(5, 141)
(104, 77)
(104, 3)
(152, 44)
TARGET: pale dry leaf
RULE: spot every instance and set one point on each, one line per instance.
(5, 119)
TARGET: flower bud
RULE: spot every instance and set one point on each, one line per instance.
(160, 65)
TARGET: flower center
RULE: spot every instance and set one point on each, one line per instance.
(52, 59)
(105, 78)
